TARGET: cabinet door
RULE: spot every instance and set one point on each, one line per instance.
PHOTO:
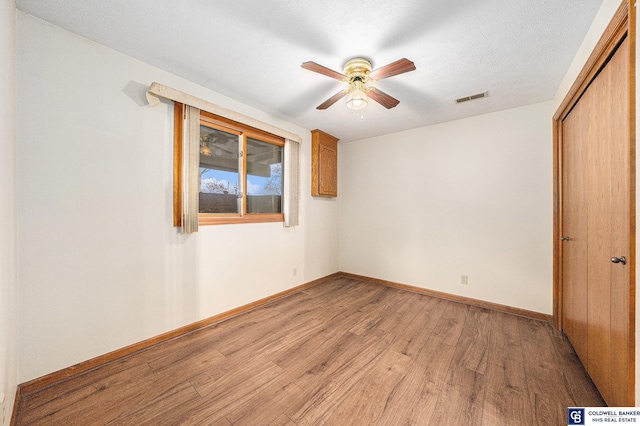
(328, 170)
(324, 164)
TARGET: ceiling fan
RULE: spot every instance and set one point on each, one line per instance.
(357, 73)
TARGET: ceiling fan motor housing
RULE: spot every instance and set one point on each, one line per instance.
(357, 69)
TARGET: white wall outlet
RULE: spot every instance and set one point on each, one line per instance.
(295, 271)
(464, 279)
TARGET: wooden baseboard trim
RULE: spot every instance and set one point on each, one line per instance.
(69, 372)
(453, 297)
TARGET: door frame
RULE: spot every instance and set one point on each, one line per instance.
(622, 25)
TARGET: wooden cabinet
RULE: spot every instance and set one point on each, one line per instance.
(324, 164)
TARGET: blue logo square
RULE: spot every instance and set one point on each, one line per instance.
(575, 416)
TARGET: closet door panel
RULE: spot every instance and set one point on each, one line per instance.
(620, 344)
(598, 100)
(574, 225)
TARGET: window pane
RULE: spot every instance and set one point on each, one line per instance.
(219, 182)
(264, 177)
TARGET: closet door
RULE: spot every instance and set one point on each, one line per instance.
(574, 225)
(614, 364)
(596, 208)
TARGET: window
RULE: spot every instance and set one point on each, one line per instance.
(255, 140)
(240, 171)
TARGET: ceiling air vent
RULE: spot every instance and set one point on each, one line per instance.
(472, 97)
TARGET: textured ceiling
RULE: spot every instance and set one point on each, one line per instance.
(251, 50)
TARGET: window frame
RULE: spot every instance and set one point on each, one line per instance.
(227, 125)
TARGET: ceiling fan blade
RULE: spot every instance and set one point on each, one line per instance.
(312, 66)
(382, 98)
(332, 100)
(398, 67)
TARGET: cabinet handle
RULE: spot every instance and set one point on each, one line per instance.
(620, 259)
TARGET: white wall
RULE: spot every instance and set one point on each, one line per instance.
(100, 265)
(599, 24)
(473, 197)
(8, 281)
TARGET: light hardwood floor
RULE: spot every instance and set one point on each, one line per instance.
(344, 352)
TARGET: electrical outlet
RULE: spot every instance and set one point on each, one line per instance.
(464, 279)
(295, 271)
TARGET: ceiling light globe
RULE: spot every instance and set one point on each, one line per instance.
(357, 100)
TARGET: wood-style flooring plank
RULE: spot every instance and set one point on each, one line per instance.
(506, 395)
(77, 385)
(578, 384)
(344, 352)
(283, 420)
(158, 411)
(221, 396)
(504, 342)
(386, 306)
(413, 400)
(547, 411)
(473, 344)
(418, 331)
(268, 406)
(327, 384)
(186, 363)
(345, 312)
(461, 398)
(81, 398)
(544, 373)
(127, 390)
(400, 320)
(313, 354)
(367, 399)
(449, 327)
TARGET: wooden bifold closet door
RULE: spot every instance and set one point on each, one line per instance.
(596, 311)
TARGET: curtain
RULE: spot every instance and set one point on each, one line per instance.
(291, 180)
(190, 169)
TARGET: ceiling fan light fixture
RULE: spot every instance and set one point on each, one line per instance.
(357, 74)
(356, 98)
